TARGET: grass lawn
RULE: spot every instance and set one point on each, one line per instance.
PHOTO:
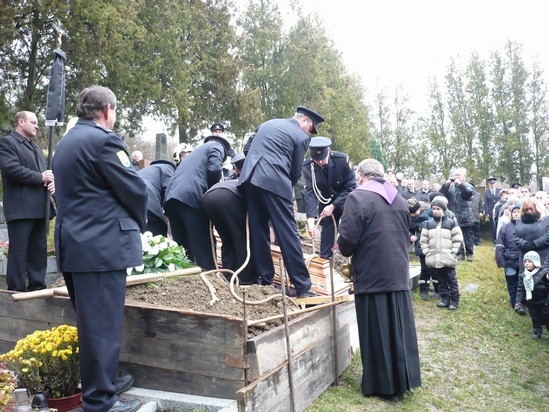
(481, 357)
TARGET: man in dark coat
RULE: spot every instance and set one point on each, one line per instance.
(226, 208)
(460, 194)
(328, 180)
(273, 166)
(491, 197)
(156, 176)
(374, 231)
(189, 223)
(25, 183)
(101, 208)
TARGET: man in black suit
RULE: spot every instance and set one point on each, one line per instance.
(189, 223)
(156, 176)
(328, 180)
(25, 183)
(101, 208)
(273, 166)
(491, 197)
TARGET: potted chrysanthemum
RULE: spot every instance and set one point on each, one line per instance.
(47, 361)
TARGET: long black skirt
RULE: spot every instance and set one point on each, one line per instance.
(388, 343)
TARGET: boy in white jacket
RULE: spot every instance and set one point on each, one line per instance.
(440, 241)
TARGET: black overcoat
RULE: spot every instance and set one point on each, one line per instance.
(22, 164)
(156, 177)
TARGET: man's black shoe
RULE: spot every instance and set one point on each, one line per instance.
(130, 406)
(123, 383)
(310, 294)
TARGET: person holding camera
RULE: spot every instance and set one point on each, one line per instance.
(459, 194)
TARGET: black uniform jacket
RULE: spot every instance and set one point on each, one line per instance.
(275, 159)
(156, 177)
(22, 164)
(101, 202)
(199, 171)
(336, 186)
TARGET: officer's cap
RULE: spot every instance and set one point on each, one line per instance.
(516, 185)
(315, 117)
(491, 179)
(162, 161)
(222, 140)
(238, 160)
(217, 126)
(319, 147)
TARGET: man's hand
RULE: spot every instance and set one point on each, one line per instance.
(51, 187)
(311, 228)
(413, 239)
(327, 211)
(47, 176)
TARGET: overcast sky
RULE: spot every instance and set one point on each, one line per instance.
(390, 42)
(407, 42)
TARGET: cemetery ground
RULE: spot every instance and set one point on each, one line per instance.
(481, 357)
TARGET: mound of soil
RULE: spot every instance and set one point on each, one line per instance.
(190, 293)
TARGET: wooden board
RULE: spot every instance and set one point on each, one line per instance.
(268, 351)
(313, 371)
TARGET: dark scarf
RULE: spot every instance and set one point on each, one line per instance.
(531, 218)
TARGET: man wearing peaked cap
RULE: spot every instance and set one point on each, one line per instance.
(328, 180)
(491, 197)
(273, 165)
(217, 128)
(189, 222)
(312, 115)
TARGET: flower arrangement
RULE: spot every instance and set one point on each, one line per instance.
(7, 385)
(47, 361)
(160, 254)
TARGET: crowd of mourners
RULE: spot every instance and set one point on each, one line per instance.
(445, 227)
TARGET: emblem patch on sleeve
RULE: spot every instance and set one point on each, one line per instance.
(124, 159)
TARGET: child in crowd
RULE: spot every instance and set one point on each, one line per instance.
(418, 218)
(440, 241)
(533, 291)
(508, 256)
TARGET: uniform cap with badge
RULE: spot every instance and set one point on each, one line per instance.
(319, 147)
(238, 160)
(222, 140)
(217, 126)
(311, 114)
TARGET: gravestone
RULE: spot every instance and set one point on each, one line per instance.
(161, 151)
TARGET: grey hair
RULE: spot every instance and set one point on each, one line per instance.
(93, 100)
(459, 169)
(370, 167)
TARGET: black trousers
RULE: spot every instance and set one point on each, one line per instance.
(191, 229)
(156, 225)
(539, 318)
(328, 233)
(27, 255)
(447, 283)
(426, 277)
(227, 211)
(262, 206)
(468, 239)
(98, 300)
(476, 233)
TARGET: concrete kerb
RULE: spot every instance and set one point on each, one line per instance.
(152, 401)
(178, 402)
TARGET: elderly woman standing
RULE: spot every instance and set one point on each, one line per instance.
(374, 230)
(532, 230)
